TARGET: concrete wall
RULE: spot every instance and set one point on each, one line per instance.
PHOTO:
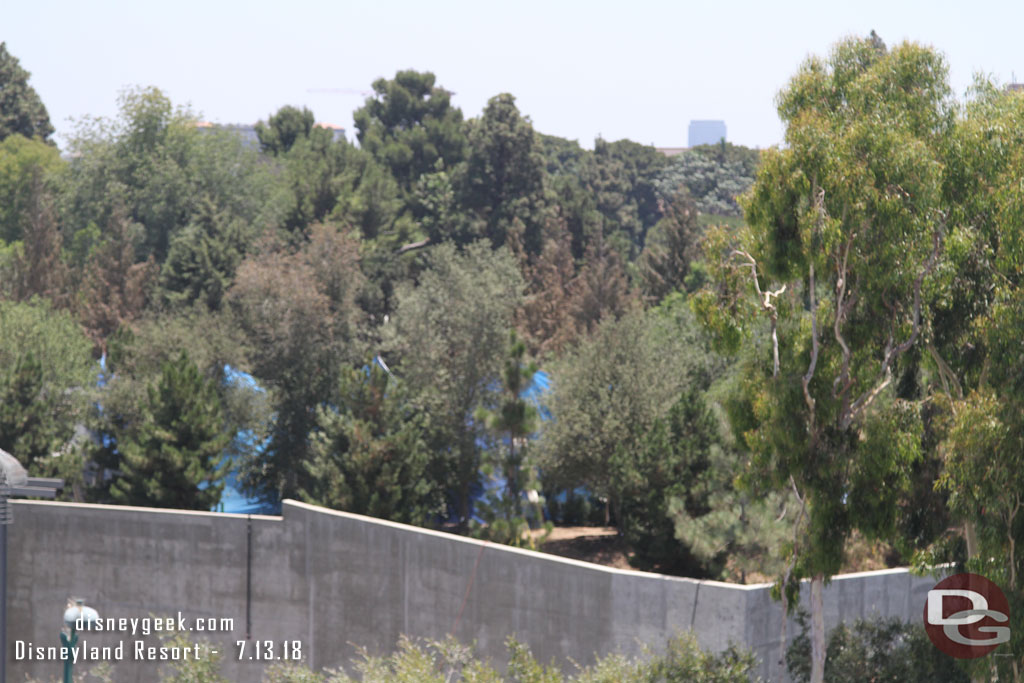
(334, 581)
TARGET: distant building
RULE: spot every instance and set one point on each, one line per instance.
(706, 132)
(1015, 87)
(247, 131)
(671, 151)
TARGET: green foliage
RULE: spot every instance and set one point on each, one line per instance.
(179, 445)
(447, 342)
(876, 650)
(830, 215)
(502, 182)
(315, 171)
(297, 311)
(447, 661)
(47, 377)
(714, 181)
(135, 360)
(21, 110)
(976, 361)
(204, 669)
(673, 466)
(621, 177)
(672, 247)
(203, 258)
(24, 165)
(156, 164)
(609, 391)
(511, 422)
(409, 125)
(373, 454)
(283, 129)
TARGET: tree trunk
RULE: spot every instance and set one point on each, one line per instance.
(971, 538)
(817, 630)
(463, 526)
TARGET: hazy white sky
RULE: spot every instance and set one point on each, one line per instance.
(636, 69)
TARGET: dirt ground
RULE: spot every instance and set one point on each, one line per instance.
(600, 545)
(603, 545)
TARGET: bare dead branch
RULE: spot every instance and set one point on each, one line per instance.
(765, 299)
(946, 373)
(411, 246)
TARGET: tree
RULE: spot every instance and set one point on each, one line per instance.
(846, 225)
(21, 110)
(136, 357)
(298, 311)
(175, 458)
(409, 124)
(600, 290)
(373, 454)
(609, 391)
(876, 650)
(38, 266)
(974, 353)
(672, 247)
(511, 420)
(154, 164)
(26, 167)
(115, 287)
(284, 129)
(47, 377)
(203, 258)
(673, 466)
(713, 175)
(446, 343)
(545, 319)
(503, 179)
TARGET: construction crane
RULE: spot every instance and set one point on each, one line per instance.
(340, 91)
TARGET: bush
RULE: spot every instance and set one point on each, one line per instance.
(448, 661)
(875, 650)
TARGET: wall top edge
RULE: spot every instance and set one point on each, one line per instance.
(134, 508)
(289, 504)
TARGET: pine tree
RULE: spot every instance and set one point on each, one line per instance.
(39, 269)
(179, 445)
(545, 318)
(511, 421)
(372, 455)
(115, 286)
(601, 289)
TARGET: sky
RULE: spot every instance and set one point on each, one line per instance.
(635, 69)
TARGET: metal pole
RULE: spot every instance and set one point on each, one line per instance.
(248, 580)
(5, 519)
(3, 599)
(67, 644)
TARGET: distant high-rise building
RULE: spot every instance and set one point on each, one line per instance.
(706, 132)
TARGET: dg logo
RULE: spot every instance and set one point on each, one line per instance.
(963, 616)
